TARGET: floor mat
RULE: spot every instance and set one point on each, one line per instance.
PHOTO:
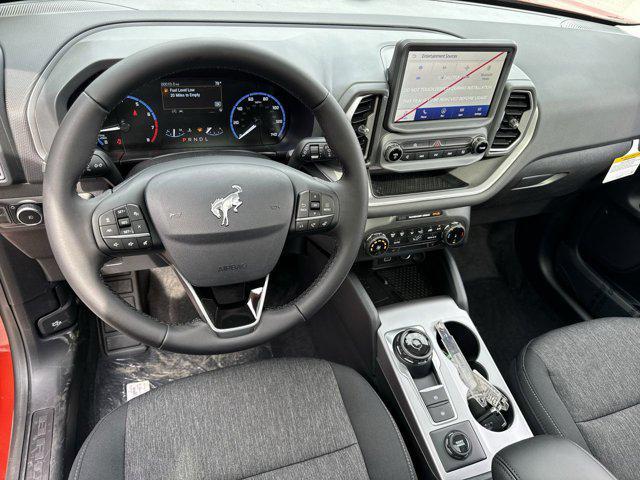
(503, 304)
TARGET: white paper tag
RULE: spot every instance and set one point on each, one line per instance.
(135, 389)
(624, 166)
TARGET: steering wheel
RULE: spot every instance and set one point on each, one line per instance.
(219, 219)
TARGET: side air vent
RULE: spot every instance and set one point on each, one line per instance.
(363, 115)
(511, 127)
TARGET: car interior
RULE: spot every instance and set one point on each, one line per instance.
(319, 240)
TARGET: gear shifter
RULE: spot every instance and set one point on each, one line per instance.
(412, 347)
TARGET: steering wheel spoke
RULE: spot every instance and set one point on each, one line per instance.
(232, 310)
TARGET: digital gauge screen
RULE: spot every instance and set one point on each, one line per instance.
(448, 84)
(201, 111)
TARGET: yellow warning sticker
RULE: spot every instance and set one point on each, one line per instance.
(624, 166)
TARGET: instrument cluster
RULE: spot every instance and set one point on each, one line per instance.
(205, 109)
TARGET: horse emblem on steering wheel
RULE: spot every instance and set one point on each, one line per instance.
(220, 208)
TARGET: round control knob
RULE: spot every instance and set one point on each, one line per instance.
(479, 145)
(29, 214)
(413, 348)
(457, 445)
(377, 244)
(393, 152)
(453, 234)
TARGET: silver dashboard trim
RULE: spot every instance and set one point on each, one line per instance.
(465, 191)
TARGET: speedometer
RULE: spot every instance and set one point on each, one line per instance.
(258, 118)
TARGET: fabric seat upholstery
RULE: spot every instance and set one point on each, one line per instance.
(277, 419)
(582, 382)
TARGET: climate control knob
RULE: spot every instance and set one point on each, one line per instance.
(454, 234)
(479, 145)
(393, 152)
(377, 244)
(29, 214)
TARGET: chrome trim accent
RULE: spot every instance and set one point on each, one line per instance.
(133, 235)
(311, 218)
(255, 303)
(465, 191)
(524, 124)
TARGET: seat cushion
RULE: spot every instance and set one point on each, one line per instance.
(582, 382)
(276, 419)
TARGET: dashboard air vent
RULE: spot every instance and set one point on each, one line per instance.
(510, 129)
(363, 114)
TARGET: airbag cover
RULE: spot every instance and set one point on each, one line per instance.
(222, 223)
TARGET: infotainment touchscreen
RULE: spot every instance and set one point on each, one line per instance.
(448, 84)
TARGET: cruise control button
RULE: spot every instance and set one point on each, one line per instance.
(109, 231)
(127, 231)
(114, 243)
(134, 212)
(130, 243)
(144, 242)
(107, 219)
(124, 222)
(140, 226)
(121, 212)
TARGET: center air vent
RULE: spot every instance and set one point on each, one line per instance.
(363, 115)
(511, 127)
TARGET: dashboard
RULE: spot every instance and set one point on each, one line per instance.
(204, 109)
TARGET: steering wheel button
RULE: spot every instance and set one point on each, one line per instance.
(107, 219)
(109, 231)
(127, 231)
(130, 243)
(314, 224)
(325, 222)
(124, 222)
(328, 206)
(302, 225)
(314, 205)
(114, 243)
(315, 197)
(144, 242)
(303, 205)
(121, 212)
(134, 212)
(140, 226)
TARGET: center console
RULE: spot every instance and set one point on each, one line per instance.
(457, 439)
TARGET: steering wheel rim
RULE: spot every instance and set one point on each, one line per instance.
(72, 234)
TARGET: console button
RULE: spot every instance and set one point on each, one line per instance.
(422, 155)
(121, 212)
(457, 445)
(107, 219)
(140, 226)
(109, 231)
(130, 243)
(435, 396)
(463, 151)
(407, 157)
(451, 153)
(134, 212)
(114, 243)
(435, 154)
(442, 412)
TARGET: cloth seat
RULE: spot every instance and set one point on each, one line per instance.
(276, 419)
(582, 382)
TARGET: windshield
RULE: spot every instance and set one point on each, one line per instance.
(618, 11)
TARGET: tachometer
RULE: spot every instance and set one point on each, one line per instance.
(258, 118)
(132, 123)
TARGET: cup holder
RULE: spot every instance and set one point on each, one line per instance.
(488, 419)
(466, 339)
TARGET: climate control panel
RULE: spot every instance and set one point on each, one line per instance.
(421, 237)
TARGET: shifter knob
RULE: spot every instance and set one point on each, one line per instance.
(412, 347)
